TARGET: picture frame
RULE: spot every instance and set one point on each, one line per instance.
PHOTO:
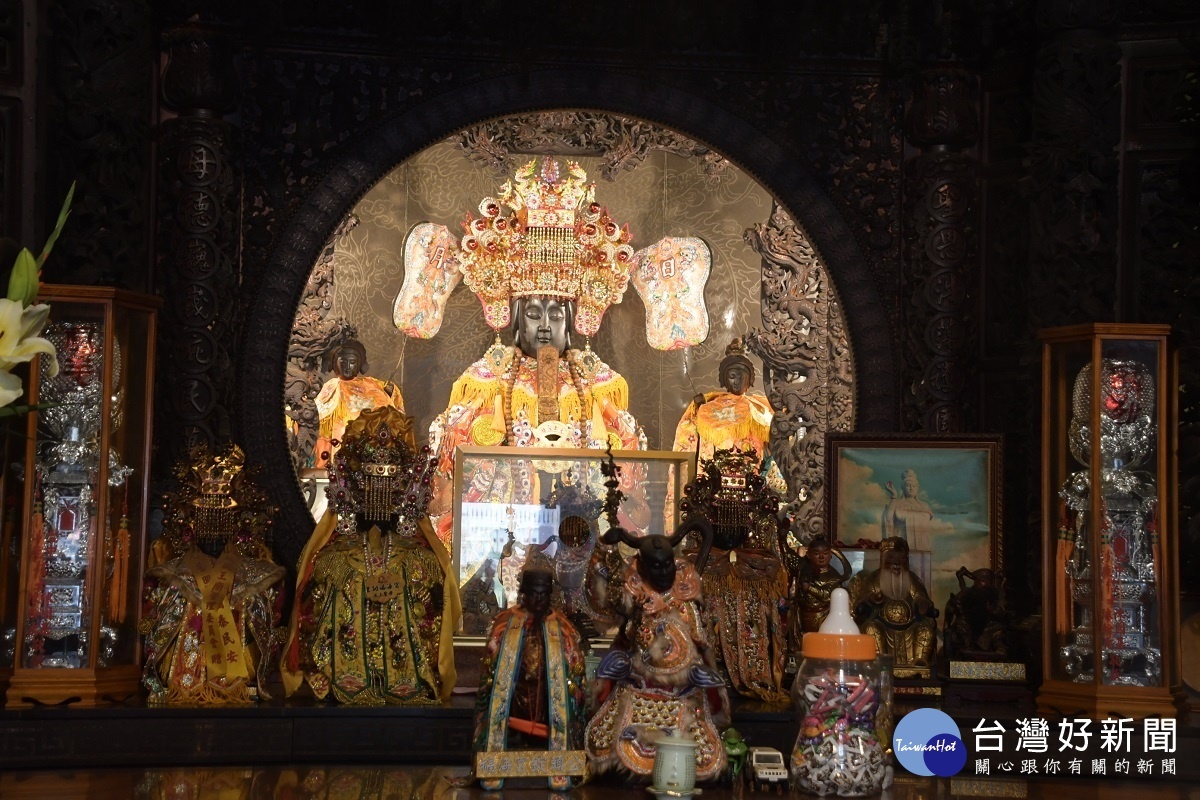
(502, 492)
(960, 481)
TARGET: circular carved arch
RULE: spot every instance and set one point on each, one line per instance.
(356, 167)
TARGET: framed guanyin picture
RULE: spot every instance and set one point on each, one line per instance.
(942, 495)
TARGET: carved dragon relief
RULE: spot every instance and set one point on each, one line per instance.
(808, 370)
(621, 143)
(314, 334)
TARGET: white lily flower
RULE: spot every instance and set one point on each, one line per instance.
(10, 388)
(19, 339)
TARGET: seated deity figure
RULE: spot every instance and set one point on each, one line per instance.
(540, 390)
(346, 395)
(892, 604)
(746, 583)
(661, 674)
(531, 695)
(815, 581)
(977, 620)
(212, 604)
(376, 603)
(731, 418)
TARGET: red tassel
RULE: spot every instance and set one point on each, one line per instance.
(1063, 585)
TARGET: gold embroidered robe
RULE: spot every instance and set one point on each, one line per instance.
(357, 649)
(210, 625)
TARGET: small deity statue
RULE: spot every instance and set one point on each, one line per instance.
(746, 583)
(539, 391)
(377, 602)
(731, 418)
(346, 395)
(531, 695)
(481, 598)
(977, 619)
(212, 589)
(892, 604)
(906, 515)
(815, 581)
(661, 674)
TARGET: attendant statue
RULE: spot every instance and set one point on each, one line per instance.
(531, 695)
(815, 581)
(540, 390)
(977, 618)
(212, 610)
(661, 674)
(346, 395)
(893, 605)
(377, 602)
(906, 515)
(481, 598)
(731, 418)
(746, 583)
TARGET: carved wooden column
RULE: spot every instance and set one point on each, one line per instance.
(1073, 175)
(940, 277)
(198, 224)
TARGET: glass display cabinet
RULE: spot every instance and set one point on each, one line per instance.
(512, 504)
(12, 450)
(86, 485)
(1110, 571)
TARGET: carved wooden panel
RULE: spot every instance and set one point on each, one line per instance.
(97, 107)
(10, 167)
(12, 43)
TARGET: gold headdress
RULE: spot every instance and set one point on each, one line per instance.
(379, 472)
(217, 500)
(892, 543)
(730, 491)
(555, 242)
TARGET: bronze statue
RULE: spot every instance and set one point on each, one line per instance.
(893, 605)
(815, 581)
(977, 619)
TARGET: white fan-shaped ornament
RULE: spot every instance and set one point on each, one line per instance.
(431, 271)
(670, 277)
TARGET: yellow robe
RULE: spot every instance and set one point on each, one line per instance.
(728, 421)
(341, 401)
(209, 626)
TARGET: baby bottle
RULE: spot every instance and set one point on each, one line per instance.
(837, 694)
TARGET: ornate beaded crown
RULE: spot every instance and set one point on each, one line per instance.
(556, 241)
(218, 499)
(731, 493)
(378, 471)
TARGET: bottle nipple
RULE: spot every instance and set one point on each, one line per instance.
(838, 637)
(839, 619)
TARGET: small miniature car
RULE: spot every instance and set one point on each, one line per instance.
(767, 769)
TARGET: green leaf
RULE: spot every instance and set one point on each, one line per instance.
(16, 411)
(58, 226)
(23, 282)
